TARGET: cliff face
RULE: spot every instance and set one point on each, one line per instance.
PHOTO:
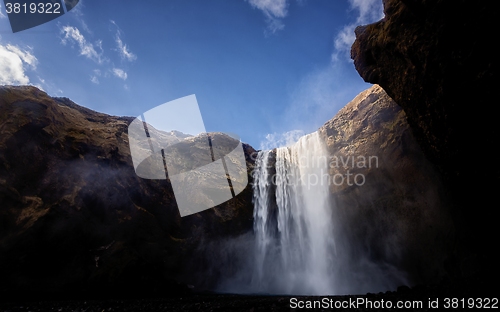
(75, 217)
(436, 59)
(391, 203)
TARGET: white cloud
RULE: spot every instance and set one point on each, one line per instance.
(316, 98)
(369, 11)
(277, 8)
(320, 94)
(344, 40)
(87, 49)
(120, 73)
(94, 78)
(78, 15)
(274, 10)
(47, 86)
(13, 63)
(122, 48)
(274, 140)
(26, 56)
(39, 86)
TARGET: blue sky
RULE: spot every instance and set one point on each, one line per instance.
(263, 69)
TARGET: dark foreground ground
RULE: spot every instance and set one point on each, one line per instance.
(466, 294)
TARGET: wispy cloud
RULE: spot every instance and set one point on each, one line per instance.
(13, 64)
(94, 78)
(317, 98)
(25, 55)
(122, 48)
(274, 11)
(18, 67)
(321, 93)
(324, 91)
(95, 52)
(274, 140)
(368, 11)
(78, 15)
(48, 86)
(120, 73)
(87, 49)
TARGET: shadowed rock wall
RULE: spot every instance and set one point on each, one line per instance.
(437, 60)
(391, 203)
(74, 216)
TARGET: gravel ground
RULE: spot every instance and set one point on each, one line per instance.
(423, 298)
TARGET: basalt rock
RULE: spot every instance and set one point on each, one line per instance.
(76, 219)
(437, 60)
(390, 199)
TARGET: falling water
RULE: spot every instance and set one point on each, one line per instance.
(292, 220)
(302, 242)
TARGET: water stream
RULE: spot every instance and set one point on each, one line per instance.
(292, 213)
(301, 242)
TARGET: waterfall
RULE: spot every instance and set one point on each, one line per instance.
(292, 220)
(302, 243)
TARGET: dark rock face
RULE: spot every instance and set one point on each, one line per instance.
(391, 217)
(74, 216)
(436, 59)
(393, 206)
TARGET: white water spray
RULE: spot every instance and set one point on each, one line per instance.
(292, 220)
(302, 243)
